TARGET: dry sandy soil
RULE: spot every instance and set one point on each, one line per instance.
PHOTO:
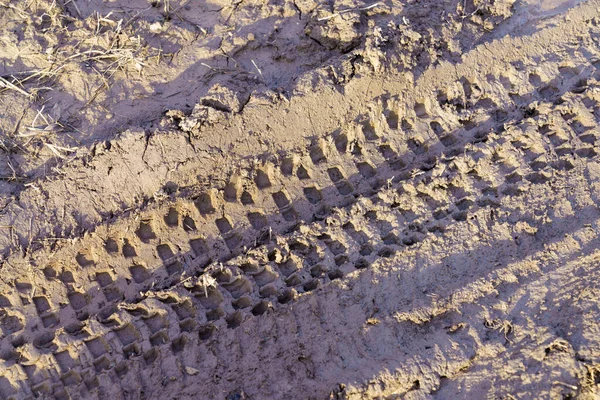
(275, 199)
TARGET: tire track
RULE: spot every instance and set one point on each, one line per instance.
(166, 287)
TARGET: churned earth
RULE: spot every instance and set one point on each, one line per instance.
(299, 200)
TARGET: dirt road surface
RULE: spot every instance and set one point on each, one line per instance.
(279, 199)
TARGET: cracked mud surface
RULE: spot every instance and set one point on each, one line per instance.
(300, 200)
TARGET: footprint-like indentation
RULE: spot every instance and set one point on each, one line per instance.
(4, 302)
(267, 275)
(172, 218)
(179, 343)
(460, 216)
(111, 246)
(77, 300)
(586, 152)
(128, 250)
(224, 225)
(242, 302)
(312, 194)
(113, 294)
(564, 150)
(538, 164)
(85, 258)
(184, 309)
(262, 307)
(562, 165)
(174, 268)
(151, 355)
(387, 151)
(238, 287)
(416, 146)
(188, 325)
(420, 110)
(250, 267)
(230, 193)
(41, 304)
(338, 178)
(514, 178)
(234, 320)
(287, 296)
(104, 278)
(257, 220)
(209, 297)
(189, 225)
(567, 116)
(302, 173)
(391, 239)
(246, 198)
(199, 247)
(440, 214)
(318, 271)
(205, 332)
(205, 203)
(539, 177)
(66, 277)
(341, 142)
(579, 127)
(159, 338)
(358, 235)
(341, 260)
(97, 347)
(281, 199)
(49, 320)
(291, 265)
(70, 378)
(164, 252)
(337, 274)
(464, 204)
(397, 164)
(10, 324)
(287, 166)
(102, 363)
(366, 169)
(589, 138)
(139, 273)
(368, 130)
(127, 334)
(335, 246)
(535, 79)
(317, 152)
(568, 71)
(145, 231)
(548, 91)
(335, 174)
(406, 125)
(50, 273)
(156, 323)
(410, 240)
(311, 285)
(437, 128)
(392, 118)
(589, 103)
(385, 252)
(65, 361)
(557, 138)
(262, 179)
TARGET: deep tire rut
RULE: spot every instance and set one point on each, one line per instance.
(177, 275)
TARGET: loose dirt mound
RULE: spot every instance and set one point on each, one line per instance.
(300, 200)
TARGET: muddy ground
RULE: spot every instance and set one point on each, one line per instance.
(299, 200)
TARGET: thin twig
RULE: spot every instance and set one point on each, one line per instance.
(8, 85)
(347, 11)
